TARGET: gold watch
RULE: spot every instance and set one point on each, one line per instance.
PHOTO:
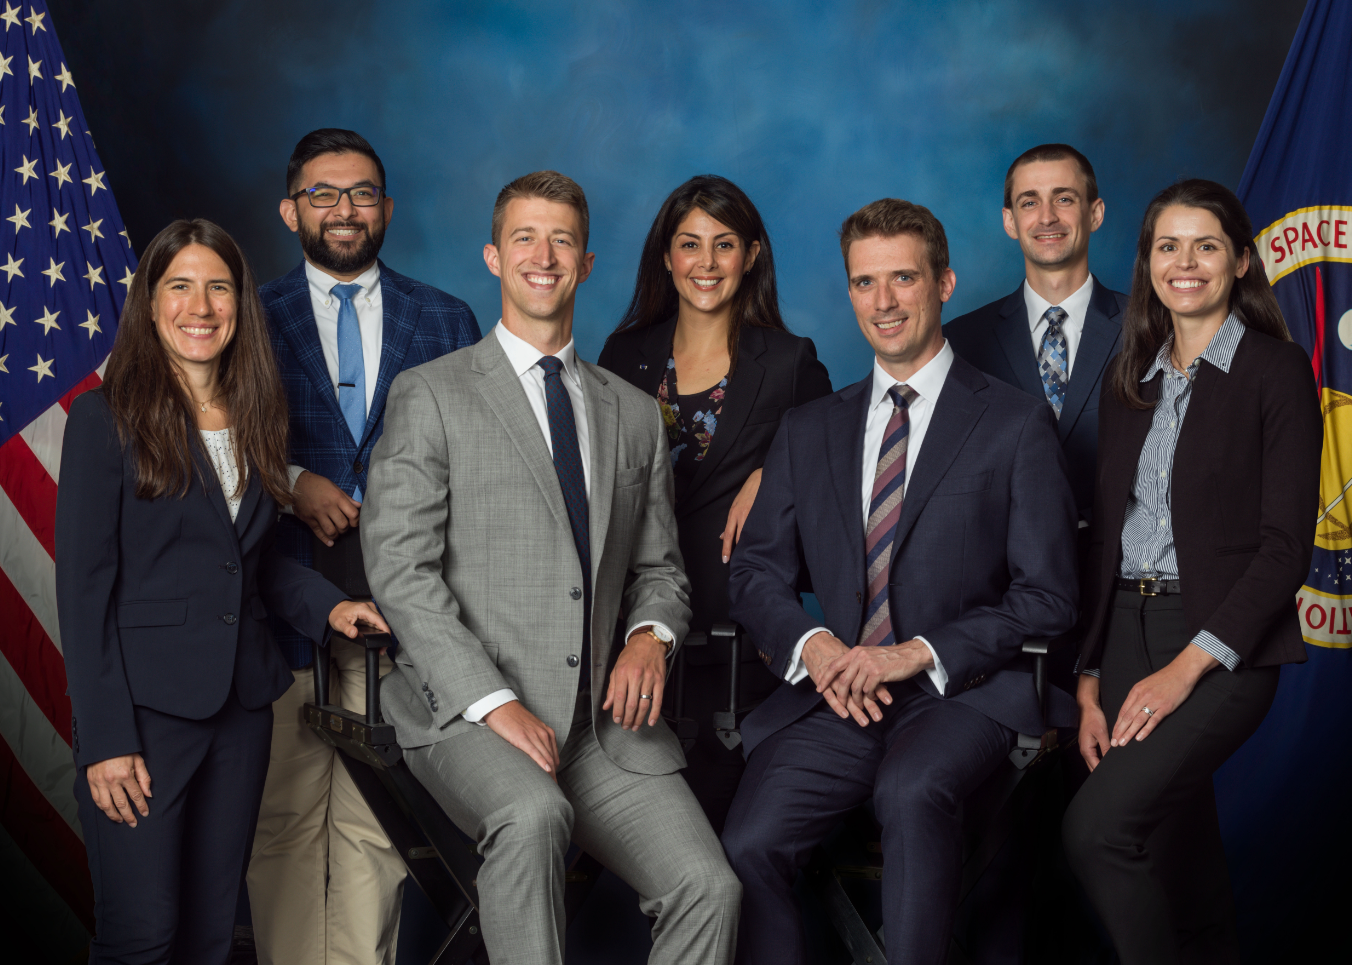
(659, 634)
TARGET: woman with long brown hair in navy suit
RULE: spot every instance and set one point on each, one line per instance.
(1206, 497)
(704, 335)
(171, 476)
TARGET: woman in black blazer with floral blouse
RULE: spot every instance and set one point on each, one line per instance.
(1207, 492)
(703, 335)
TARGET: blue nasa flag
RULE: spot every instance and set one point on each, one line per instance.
(65, 259)
(1283, 797)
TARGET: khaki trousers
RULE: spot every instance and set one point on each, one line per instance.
(314, 827)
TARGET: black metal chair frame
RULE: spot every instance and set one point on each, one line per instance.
(441, 860)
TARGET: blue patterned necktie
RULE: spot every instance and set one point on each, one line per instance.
(884, 512)
(573, 483)
(351, 366)
(1053, 359)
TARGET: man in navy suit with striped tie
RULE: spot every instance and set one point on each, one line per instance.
(930, 507)
(324, 882)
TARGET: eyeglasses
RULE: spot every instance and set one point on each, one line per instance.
(327, 196)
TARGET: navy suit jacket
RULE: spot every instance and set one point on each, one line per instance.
(995, 338)
(983, 557)
(421, 323)
(163, 602)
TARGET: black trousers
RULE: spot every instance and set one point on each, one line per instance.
(1142, 834)
(918, 765)
(166, 890)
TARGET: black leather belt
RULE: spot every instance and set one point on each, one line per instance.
(1151, 587)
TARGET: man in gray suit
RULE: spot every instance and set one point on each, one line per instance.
(520, 503)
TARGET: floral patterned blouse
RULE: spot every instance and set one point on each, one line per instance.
(689, 437)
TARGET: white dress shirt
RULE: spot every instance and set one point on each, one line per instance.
(927, 384)
(1075, 306)
(524, 359)
(370, 319)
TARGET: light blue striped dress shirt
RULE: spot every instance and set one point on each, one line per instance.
(1147, 533)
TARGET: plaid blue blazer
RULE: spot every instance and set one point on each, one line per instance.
(421, 324)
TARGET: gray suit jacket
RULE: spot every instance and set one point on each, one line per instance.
(470, 556)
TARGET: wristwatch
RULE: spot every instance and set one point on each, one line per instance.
(663, 637)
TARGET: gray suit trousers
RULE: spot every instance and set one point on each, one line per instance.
(648, 829)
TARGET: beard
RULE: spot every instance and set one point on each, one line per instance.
(341, 258)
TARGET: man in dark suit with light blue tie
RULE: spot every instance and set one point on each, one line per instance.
(343, 326)
(1054, 335)
(930, 508)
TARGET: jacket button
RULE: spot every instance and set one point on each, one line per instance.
(232, 568)
(575, 593)
(356, 467)
(572, 660)
(858, 597)
(229, 619)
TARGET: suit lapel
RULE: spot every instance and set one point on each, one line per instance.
(253, 492)
(603, 431)
(955, 416)
(738, 399)
(400, 317)
(1118, 461)
(654, 352)
(294, 317)
(845, 457)
(1102, 329)
(216, 496)
(501, 389)
(1017, 341)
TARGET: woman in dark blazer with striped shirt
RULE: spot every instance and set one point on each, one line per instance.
(1207, 492)
(171, 474)
(703, 334)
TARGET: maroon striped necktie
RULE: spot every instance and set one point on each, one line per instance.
(889, 486)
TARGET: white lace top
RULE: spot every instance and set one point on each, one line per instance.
(222, 456)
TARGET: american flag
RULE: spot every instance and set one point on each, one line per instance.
(67, 264)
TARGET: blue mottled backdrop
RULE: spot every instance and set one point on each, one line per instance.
(814, 108)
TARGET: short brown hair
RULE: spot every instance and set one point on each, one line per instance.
(890, 217)
(550, 185)
(1052, 152)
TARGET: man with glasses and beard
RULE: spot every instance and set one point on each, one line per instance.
(325, 884)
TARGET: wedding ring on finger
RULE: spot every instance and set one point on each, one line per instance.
(1147, 711)
(645, 696)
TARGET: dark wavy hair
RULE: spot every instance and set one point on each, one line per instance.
(1148, 324)
(152, 406)
(655, 300)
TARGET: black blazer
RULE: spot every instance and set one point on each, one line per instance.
(775, 372)
(1244, 502)
(995, 339)
(163, 603)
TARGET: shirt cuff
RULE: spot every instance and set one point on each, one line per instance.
(797, 669)
(937, 674)
(477, 711)
(1209, 642)
(1089, 673)
(645, 624)
(292, 474)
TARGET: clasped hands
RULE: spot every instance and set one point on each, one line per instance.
(634, 693)
(854, 679)
(120, 785)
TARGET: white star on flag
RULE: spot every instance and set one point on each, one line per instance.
(7, 317)
(93, 276)
(65, 78)
(63, 124)
(47, 321)
(26, 168)
(12, 268)
(91, 323)
(62, 174)
(124, 280)
(35, 20)
(20, 219)
(10, 16)
(32, 119)
(34, 70)
(95, 181)
(2, 364)
(58, 223)
(53, 272)
(43, 367)
(93, 229)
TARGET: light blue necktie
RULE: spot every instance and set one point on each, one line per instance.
(351, 366)
(1053, 358)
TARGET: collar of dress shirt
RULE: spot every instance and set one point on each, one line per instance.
(524, 356)
(927, 383)
(321, 282)
(1076, 304)
(1220, 351)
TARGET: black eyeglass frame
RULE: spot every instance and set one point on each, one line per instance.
(309, 195)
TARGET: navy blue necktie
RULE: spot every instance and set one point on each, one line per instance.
(568, 465)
